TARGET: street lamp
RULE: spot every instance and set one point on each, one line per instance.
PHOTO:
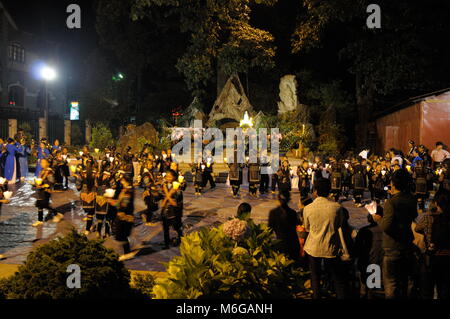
(48, 74)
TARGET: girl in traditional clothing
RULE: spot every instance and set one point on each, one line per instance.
(3, 189)
(151, 193)
(85, 184)
(102, 207)
(284, 177)
(124, 221)
(23, 154)
(197, 171)
(42, 153)
(10, 163)
(44, 185)
(171, 208)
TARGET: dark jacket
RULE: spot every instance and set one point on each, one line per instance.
(283, 221)
(399, 213)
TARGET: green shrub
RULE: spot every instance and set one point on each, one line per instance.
(101, 137)
(143, 284)
(214, 265)
(44, 273)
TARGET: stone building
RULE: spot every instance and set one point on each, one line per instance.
(22, 89)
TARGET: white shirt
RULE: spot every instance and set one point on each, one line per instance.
(321, 220)
(439, 155)
(399, 159)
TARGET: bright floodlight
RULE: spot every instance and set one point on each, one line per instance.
(48, 73)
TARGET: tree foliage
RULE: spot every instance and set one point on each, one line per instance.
(101, 136)
(220, 36)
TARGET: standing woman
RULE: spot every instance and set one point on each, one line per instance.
(284, 177)
(124, 222)
(2, 157)
(86, 186)
(10, 164)
(42, 153)
(23, 154)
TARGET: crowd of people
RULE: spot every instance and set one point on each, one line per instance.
(409, 195)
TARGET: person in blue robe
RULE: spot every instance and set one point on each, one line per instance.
(23, 154)
(56, 146)
(10, 163)
(42, 152)
(2, 157)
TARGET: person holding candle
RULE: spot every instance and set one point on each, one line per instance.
(368, 249)
(208, 172)
(3, 189)
(304, 180)
(65, 167)
(197, 171)
(2, 157)
(124, 220)
(235, 175)
(171, 207)
(102, 207)
(253, 178)
(400, 211)
(151, 193)
(347, 171)
(42, 153)
(57, 164)
(11, 162)
(24, 151)
(284, 177)
(421, 177)
(44, 184)
(444, 175)
(359, 180)
(85, 184)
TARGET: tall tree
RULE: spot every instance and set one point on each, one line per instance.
(408, 54)
(220, 37)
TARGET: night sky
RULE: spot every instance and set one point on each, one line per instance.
(47, 19)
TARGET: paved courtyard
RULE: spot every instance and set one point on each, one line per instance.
(18, 237)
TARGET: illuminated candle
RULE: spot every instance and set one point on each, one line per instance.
(7, 195)
(81, 153)
(176, 185)
(38, 181)
(181, 178)
(73, 168)
(96, 150)
(110, 192)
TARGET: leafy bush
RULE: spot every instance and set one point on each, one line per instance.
(213, 265)
(101, 137)
(44, 273)
(143, 284)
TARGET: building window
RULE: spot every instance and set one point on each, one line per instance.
(16, 95)
(16, 53)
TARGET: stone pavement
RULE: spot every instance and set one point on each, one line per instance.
(18, 237)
